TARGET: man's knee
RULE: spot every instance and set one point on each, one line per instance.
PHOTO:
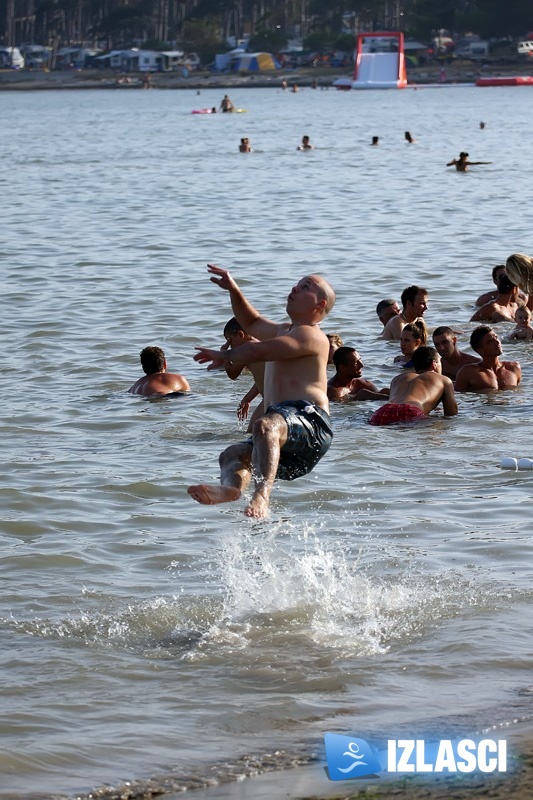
(235, 454)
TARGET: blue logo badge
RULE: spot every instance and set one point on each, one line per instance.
(349, 757)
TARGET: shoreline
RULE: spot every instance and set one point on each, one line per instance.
(312, 77)
(308, 781)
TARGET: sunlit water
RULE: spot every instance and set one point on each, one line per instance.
(143, 634)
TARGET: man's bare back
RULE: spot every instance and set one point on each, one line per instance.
(424, 390)
(495, 312)
(160, 383)
(157, 381)
(414, 394)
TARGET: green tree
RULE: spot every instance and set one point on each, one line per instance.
(270, 41)
(202, 36)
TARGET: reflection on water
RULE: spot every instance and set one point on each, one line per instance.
(390, 587)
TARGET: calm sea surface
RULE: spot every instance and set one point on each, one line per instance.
(390, 591)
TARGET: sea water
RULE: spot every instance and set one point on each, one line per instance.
(144, 635)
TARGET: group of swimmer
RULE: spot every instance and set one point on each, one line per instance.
(461, 164)
(291, 427)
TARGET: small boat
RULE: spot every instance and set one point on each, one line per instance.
(509, 80)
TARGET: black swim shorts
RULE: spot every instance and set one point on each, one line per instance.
(309, 437)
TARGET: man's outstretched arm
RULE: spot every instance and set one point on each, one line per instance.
(246, 315)
(303, 341)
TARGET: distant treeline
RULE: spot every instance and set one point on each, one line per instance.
(203, 26)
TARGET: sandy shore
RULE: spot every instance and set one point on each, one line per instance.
(461, 72)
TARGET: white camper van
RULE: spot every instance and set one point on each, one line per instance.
(11, 58)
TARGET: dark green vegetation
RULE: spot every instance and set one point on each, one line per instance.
(203, 26)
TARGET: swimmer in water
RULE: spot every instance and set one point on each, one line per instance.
(347, 380)
(409, 138)
(523, 331)
(490, 373)
(306, 144)
(375, 141)
(226, 105)
(157, 381)
(413, 395)
(451, 358)
(387, 309)
(461, 164)
(245, 146)
(412, 337)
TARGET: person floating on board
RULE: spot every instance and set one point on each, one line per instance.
(461, 164)
(295, 431)
(157, 381)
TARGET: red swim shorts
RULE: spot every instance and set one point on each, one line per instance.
(396, 412)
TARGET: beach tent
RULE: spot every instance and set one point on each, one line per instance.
(255, 62)
(223, 60)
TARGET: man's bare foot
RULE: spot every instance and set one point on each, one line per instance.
(210, 495)
(257, 508)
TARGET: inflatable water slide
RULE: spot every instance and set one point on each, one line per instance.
(379, 62)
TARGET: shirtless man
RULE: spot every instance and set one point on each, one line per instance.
(414, 394)
(347, 380)
(487, 297)
(157, 381)
(451, 358)
(386, 309)
(235, 337)
(490, 373)
(462, 163)
(415, 302)
(306, 144)
(503, 307)
(295, 431)
(226, 104)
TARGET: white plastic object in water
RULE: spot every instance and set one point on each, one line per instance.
(509, 463)
(525, 463)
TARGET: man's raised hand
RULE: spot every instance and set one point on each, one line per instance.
(222, 279)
